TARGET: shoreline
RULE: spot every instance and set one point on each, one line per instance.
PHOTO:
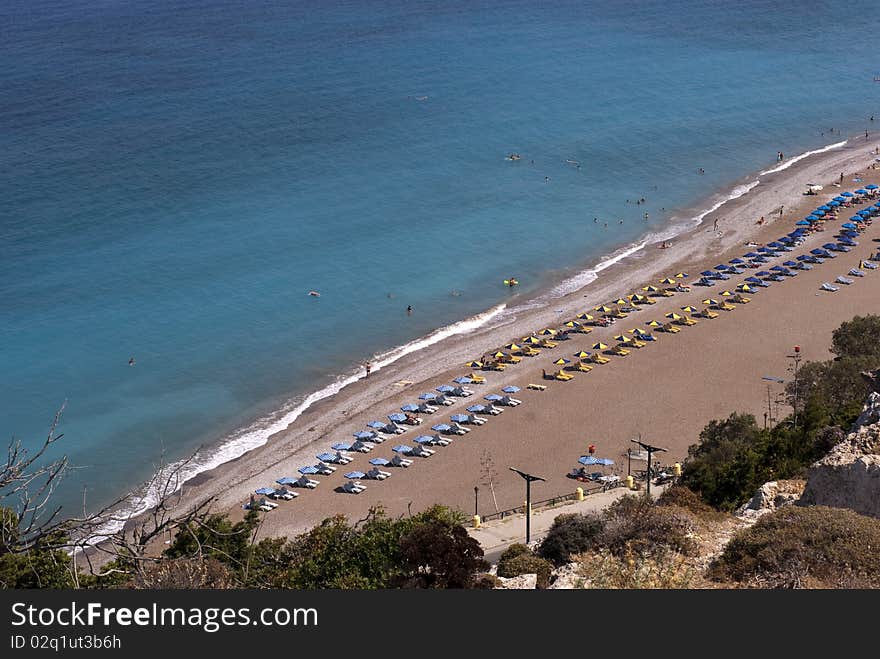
(323, 420)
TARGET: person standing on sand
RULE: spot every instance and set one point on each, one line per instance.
(841, 177)
(368, 367)
(715, 225)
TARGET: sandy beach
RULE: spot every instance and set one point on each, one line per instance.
(666, 392)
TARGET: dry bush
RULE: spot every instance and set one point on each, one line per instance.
(633, 523)
(664, 569)
(526, 564)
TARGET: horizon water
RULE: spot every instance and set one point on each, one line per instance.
(175, 180)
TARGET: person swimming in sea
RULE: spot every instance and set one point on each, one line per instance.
(131, 361)
(314, 294)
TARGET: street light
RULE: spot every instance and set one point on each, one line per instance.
(476, 493)
(769, 412)
(796, 360)
(528, 478)
(651, 450)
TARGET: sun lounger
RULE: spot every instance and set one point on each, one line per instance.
(354, 487)
(262, 504)
(377, 474)
(422, 451)
(362, 447)
(855, 272)
(536, 387)
(670, 328)
(304, 481)
(324, 469)
(286, 495)
(475, 420)
(843, 280)
(477, 379)
(581, 366)
(870, 265)
(828, 287)
(740, 299)
(620, 351)
(398, 461)
(596, 358)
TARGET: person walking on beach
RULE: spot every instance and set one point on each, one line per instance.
(841, 177)
(368, 367)
(715, 225)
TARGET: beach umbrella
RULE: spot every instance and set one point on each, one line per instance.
(779, 268)
(572, 324)
(725, 294)
(562, 361)
(585, 316)
(668, 280)
(513, 346)
(621, 302)
(745, 288)
(786, 240)
(600, 346)
(604, 309)
(605, 462)
(790, 264)
(265, 490)
(864, 213)
(653, 323)
(675, 316)
(582, 354)
(477, 409)
(305, 470)
(463, 380)
(737, 261)
(287, 480)
(651, 289)
(365, 435)
(424, 439)
(547, 332)
(378, 425)
(751, 255)
(402, 448)
(834, 203)
(409, 407)
(428, 396)
(689, 309)
(459, 418)
(493, 397)
(839, 199)
(341, 446)
(818, 213)
(442, 427)
(499, 355)
(474, 364)
(710, 300)
(588, 460)
(379, 462)
(681, 275)
(847, 194)
(510, 389)
(445, 388)
(824, 208)
(532, 340)
(870, 186)
(861, 191)
(354, 475)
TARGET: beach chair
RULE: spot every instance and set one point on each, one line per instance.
(855, 272)
(285, 495)
(475, 420)
(306, 482)
(353, 487)
(870, 265)
(377, 474)
(508, 358)
(843, 280)
(546, 343)
(529, 351)
(562, 376)
(341, 458)
(398, 461)
(581, 366)
(739, 298)
(686, 321)
(536, 387)
(424, 408)
(581, 329)
(596, 358)
(493, 366)
(324, 469)
(724, 306)
(619, 350)
(420, 451)
(669, 328)
(461, 392)
(828, 287)
(477, 379)
(362, 447)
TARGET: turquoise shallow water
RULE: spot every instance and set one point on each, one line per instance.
(174, 180)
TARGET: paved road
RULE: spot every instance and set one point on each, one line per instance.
(496, 536)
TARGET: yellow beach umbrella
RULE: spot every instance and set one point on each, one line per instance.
(513, 346)
(745, 288)
(586, 316)
(620, 301)
(653, 323)
(600, 346)
(581, 354)
(681, 275)
(673, 315)
(604, 309)
(547, 332)
(474, 364)
(668, 280)
(623, 338)
(726, 293)
(572, 324)
(499, 355)
(709, 300)
(689, 309)
(562, 361)
(650, 289)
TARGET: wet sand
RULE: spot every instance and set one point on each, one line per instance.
(665, 392)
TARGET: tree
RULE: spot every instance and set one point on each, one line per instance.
(859, 337)
(438, 554)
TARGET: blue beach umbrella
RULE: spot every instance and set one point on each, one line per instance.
(445, 388)
(380, 462)
(763, 273)
(750, 255)
(493, 397)
(428, 396)
(588, 460)
(409, 407)
(813, 218)
(510, 389)
(849, 225)
(786, 240)
(424, 439)
(441, 427)
(265, 490)
(818, 213)
(790, 264)
(463, 380)
(477, 409)
(355, 475)
(378, 425)
(287, 480)
(802, 223)
(365, 434)
(846, 194)
(402, 448)
(864, 213)
(397, 417)
(341, 446)
(737, 261)
(306, 470)
(834, 204)
(605, 462)
(326, 457)
(861, 191)
(459, 418)
(824, 208)
(870, 186)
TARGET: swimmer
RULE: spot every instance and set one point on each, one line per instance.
(409, 310)
(131, 361)
(314, 294)
(595, 219)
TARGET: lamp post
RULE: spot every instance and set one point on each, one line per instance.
(528, 478)
(769, 413)
(476, 494)
(651, 450)
(796, 360)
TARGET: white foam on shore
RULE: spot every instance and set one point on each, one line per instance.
(258, 433)
(586, 277)
(805, 154)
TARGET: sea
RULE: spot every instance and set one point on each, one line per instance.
(175, 178)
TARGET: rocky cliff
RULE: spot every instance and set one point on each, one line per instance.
(849, 476)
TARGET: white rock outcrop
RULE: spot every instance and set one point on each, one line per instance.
(770, 496)
(522, 582)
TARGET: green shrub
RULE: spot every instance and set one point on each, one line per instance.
(802, 547)
(526, 564)
(570, 534)
(516, 549)
(486, 582)
(679, 496)
(633, 523)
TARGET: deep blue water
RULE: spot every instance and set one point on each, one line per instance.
(175, 177)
